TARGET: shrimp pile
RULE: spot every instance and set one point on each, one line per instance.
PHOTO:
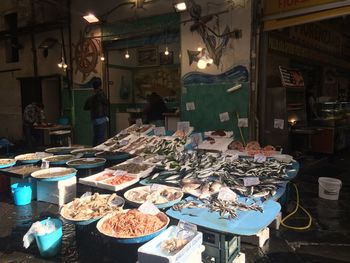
(133, 223)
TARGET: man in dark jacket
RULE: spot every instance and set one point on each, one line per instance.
(98, 107)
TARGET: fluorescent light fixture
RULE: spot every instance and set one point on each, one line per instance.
(181, 6)
(91, 18)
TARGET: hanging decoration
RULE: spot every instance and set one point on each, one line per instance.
(86, 53)
(214, 42)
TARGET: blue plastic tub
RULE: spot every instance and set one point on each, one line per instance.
(50, 244)
(22, 193)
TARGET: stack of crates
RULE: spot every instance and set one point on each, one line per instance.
(219, 247)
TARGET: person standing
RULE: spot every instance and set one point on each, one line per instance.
(98, 107)
(33, 115)
(154, 109)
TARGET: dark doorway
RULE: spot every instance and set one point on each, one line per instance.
(30, 91)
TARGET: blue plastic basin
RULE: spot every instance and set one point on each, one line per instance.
(50, 244)
(22, 193)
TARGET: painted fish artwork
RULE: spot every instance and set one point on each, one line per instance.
(236, 74)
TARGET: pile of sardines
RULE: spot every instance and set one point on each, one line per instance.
(197, 171)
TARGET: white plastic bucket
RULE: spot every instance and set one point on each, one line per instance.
(329, 188)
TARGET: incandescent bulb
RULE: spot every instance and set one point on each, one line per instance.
(127, 55)
(102, 58)
(202, 64)
(65, 66)
(166, 51)
(59, 65)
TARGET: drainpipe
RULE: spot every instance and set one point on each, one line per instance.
(32, 35)
(254, 69)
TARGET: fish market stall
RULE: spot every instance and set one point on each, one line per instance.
(225, 189)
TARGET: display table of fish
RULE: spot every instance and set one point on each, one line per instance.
(244, 217)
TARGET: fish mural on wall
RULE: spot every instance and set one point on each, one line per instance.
(236, 74)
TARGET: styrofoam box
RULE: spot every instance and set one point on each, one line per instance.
(15, 180)
(57, 192)
(90, 180)
(152, 253)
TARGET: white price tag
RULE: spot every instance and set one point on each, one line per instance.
(41, 154)
(259, 158)
(226, 194)
(224, 116)
(159, 131)
(243, 122)
(183, 126)
(123, 142)
(120, 172)
(148, 208)
(187, 230)
(138, 122)
(157, 187)
(45, 165)
(190, 106)
(249, 181)
(79, 155)
(278, 124)
(196, 139)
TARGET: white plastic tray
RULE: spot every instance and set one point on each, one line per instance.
(104, 184)
(90, 180)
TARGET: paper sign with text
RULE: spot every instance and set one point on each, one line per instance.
(138, 122)
(224, 116)
(259, 158)
(250, 181)
(183, 126)
(159, 131)
(148, 208)
(278, 124)
(226, 194)
(190, 106)
(243, 122)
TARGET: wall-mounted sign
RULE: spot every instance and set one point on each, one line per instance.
(287, 47)
(279, 6)
(291, 77)
(318, 36)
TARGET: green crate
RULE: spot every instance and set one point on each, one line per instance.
(215, 255)
(220, 246)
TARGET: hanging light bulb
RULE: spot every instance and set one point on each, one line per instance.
(127, 54)
(202, 63)
(166, 51)
(60, 65)
(102, 58)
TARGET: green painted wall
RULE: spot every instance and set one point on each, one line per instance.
(210, 101)
(82, 122)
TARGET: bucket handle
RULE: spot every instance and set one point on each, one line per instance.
(326, 190)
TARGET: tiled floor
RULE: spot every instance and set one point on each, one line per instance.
(328, 239)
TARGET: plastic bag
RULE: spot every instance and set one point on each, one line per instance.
(38, 228)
